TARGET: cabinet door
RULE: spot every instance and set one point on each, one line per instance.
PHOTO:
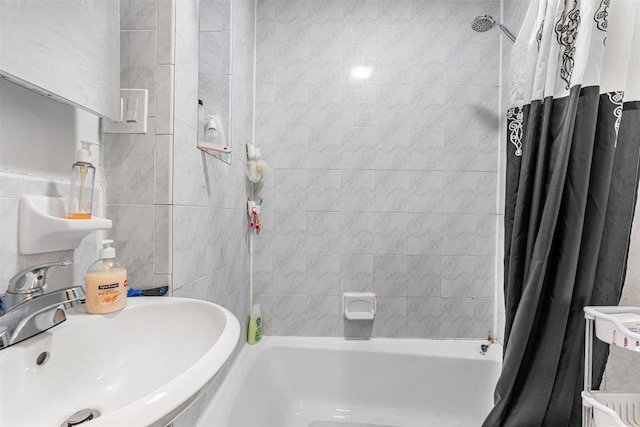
(68, 50)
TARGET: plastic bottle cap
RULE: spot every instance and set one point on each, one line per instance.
(84, 153)
(107, 250)
(255, 312)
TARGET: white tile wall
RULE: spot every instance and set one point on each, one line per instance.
(386, 183)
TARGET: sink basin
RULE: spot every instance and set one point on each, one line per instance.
(141, 366)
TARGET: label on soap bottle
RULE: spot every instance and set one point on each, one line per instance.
(106, 291)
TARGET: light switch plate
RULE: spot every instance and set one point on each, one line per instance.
(131, 121)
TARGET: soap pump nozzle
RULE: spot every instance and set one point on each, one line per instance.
(84, 153)
(107, 251)
(211, 124)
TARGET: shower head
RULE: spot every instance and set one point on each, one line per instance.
(484, 23)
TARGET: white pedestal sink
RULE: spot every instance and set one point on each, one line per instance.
(141, 366)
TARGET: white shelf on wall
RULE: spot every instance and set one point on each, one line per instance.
(618, 326)
(44, 227)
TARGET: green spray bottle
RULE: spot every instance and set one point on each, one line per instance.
(255, 325)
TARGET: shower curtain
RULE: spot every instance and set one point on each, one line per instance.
(573, 141)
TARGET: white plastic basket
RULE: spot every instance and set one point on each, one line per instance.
(619, 326)
(612, 409)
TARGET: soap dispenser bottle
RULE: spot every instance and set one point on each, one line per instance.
(82, 180)
(106, 283)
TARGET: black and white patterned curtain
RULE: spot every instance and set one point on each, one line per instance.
(573, 149)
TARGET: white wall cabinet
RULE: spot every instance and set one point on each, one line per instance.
(68, 50)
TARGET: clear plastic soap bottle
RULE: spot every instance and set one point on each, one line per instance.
(82, 179)
(106, 283)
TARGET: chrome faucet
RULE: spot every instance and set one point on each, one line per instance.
(25, 310)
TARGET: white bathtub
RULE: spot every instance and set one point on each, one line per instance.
(317, 382)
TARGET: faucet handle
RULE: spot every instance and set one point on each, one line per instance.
(33, 279)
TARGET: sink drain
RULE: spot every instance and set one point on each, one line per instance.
(42, 358)
(80, 417)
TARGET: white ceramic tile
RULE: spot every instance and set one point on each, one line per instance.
(129, 164)
(138, 63)
(291, 63)
(166, 28)
(290, 189)
(474, 107)
(292, 20)
(360, 20)
(325, 20)
(162, 235)
(425, 191)
(323, 190)
(187, 15)
(11, 186)
(215, 15)
(472, 64)
(426, 149)
(164, 169)
(425, 233)
(456, 318)
(289, 272)
(290, 147)
(359, 148)
(459, 234)
(391, 191)
(291, 104)
(424, 275)
(324, 148)
(325, 105)
(357, 191)
(9, 241)
(47, 187)
(486, 237)
(323, 274)
(459, 192)
(391, 233)
(189, 260)
(458, 277)
(356, 231)
(394, 62)
(428, 21)
(262, 273)
(287, 315)
(323, 232)
(392, 148)
(390, 320)
(186, 83)
(138, 14)
(325, 64)
(485, 276)
(427, 106)
(164, 99)
(356, 273)
(395, 106)
(132, 234)
(390, 275)
(423, 317)
(323, 316)
(428, 63)
(290, 229)
(214, 53)
(482, 317)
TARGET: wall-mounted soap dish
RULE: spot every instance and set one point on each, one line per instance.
(43, 226)
(359, 305)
